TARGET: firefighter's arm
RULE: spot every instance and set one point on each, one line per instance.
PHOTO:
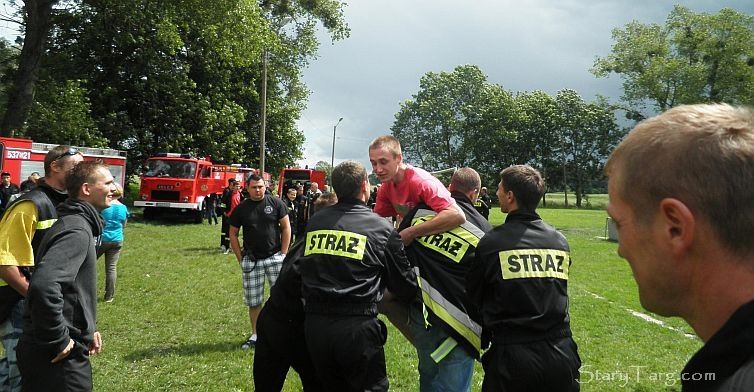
(234, 245)
(14, 278)
(285, 229)
(449, 218)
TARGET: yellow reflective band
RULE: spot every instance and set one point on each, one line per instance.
(534, 263)
(466, 235)
(45, 224)
(449, 313)
(336, 243)
(464, 231)
(446, 244)
(445, 348)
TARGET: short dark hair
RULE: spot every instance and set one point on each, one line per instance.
(4, 174)
(253, 177)
(347, 178)
(231, 181)
(57, 153)
(526, 184)
(84, 172)
(466, 180)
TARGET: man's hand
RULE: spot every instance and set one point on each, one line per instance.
(64, 353)
(408, 235)
(96, 346)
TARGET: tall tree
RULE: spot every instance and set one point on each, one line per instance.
(587, 135)
(694, 57)
(37, 24)
(185, 76)
(539, 139)
(457, 119)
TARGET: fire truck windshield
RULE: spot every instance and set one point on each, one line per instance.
(170, 168)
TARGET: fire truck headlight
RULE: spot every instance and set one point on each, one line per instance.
(144, 197)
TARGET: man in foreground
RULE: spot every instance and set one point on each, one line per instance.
(266, 237)
(350, 256)
(681, 195)
(281, 344)
(22, 228)
(519, 282)
(60, 319)
(447, 340)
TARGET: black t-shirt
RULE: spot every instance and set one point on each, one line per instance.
(259, 221)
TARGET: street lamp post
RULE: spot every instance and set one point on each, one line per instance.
(332, 160)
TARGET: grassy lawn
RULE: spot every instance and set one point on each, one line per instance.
(178, 318)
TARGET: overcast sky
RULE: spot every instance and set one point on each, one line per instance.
(530, 45)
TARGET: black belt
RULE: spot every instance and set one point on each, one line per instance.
(342, 308)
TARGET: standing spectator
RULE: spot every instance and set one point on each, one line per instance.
(266, 238)
(448, 338)
(233, 201)
(301, 200)
(30, 183)
(519, 283)
(7, 189)
(60, 319)
(115, 218)
(210, 203)
(293, 211)
(350, 256)
(21, 229)
(311, 197)
(225, 206)
(483, 203)
(680, 187)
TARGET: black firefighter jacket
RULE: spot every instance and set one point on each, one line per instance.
(443, 261)
(350, 256)
(519, 281)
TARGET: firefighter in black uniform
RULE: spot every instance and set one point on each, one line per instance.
(519, 282)
(448, 340)
(483, 203)
(350, 256)
(280, 340)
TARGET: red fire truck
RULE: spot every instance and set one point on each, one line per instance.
(21, 157)
(181, 182)
(291, 176)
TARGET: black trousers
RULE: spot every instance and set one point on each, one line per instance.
(224, 229)
(280, 346)
(548, 365)
(72, 373)
(348, 351)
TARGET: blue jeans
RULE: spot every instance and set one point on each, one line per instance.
(453, 372)
(10, 332)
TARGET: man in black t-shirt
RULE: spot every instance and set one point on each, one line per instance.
(266, 237)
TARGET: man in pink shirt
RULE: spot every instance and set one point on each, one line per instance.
(405, 186)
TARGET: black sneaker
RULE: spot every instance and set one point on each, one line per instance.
(251, 342)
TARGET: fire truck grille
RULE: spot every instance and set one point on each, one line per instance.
(165, 195)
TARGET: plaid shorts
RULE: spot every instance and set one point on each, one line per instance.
(253, 273)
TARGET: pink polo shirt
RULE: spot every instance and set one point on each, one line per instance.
(416, 187)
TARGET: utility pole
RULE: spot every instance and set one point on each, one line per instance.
(264, 114)
(332, 160)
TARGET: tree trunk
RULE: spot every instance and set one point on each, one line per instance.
(21, 96)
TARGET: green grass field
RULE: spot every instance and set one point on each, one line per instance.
(178, 318)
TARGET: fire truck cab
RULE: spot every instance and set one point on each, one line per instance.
(181, 182)
(290, 176)
(21, 157)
